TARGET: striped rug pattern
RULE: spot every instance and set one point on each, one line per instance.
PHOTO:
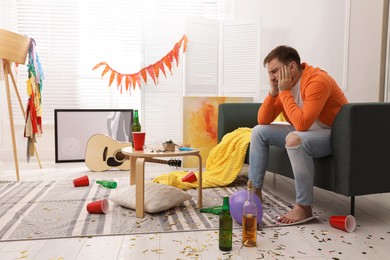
(55, 209)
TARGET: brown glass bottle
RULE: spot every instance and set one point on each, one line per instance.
(249, 219)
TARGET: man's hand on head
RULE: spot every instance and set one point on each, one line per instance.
(274, 91)
(285, 80)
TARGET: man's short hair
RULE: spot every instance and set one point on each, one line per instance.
(284, 54)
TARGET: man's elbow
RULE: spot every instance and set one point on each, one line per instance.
(263, 122)
(302, 127)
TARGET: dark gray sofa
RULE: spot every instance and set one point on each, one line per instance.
(360, 140)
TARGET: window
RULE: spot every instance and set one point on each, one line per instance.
(74, 35)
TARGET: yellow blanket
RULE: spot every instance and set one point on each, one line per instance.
(222, 166)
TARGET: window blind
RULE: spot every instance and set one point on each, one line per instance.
(72, 36)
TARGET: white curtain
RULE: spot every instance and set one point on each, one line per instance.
(74, 35)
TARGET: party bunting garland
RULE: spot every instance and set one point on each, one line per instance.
(132, 80)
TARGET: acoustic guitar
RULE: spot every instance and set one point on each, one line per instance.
(103, 153)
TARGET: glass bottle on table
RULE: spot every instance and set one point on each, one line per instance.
(225, 227)
(249, 219)
(135, 126)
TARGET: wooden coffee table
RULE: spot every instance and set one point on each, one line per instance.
(137, 172)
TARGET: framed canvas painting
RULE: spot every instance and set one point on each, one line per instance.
(200, 123)
(74, 127)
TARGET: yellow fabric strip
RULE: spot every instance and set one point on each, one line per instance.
(222, 166)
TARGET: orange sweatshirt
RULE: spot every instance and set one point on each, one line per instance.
(322, 100)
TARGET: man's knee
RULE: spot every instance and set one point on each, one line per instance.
(262, 130)
(293, 140)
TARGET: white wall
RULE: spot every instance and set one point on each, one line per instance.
(364, 56)
(365, 64)
(286, 22)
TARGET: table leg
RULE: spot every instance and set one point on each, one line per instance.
(200, 180)
(132, 169)
(140, 187)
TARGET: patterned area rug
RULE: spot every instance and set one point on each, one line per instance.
(55, 209)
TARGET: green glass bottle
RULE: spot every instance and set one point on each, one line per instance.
(225, 227)
(135, 126)
(216, 210)
(108, 184)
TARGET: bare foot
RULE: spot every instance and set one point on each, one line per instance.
(259, 194)
(298, 213)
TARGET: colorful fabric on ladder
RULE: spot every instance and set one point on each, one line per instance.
(33, 123)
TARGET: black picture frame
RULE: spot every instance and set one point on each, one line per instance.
(74, 127)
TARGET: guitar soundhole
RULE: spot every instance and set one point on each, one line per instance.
(119, 156)
(111, 161)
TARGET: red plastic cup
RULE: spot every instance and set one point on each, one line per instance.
(98, 207)
(82, 181)
(190, 177)
(346, 223)
(139, 140)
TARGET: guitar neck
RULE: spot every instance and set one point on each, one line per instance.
(176, 163)
(153, 160)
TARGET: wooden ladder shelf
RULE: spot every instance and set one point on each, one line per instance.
(14, 48)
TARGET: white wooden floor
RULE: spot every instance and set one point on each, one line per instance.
(316, 240)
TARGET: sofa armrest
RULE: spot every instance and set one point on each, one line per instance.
(360, 141)
(234, 115)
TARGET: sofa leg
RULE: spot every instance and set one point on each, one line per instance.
(353, 205)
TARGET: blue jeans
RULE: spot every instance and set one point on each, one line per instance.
(314, 144)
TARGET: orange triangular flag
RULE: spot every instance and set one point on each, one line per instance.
(170, 56)
(156, 68)
(185, 43)
(143, 74)
(99, 64)
(151, 73)
(106, 69)
(175, 53)
(113, 73)
(161, 66)
(119, 79)
(127, 82)
(138, 78)
(167, 62)
(133, 80)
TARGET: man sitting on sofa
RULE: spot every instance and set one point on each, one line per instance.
(309, 99)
